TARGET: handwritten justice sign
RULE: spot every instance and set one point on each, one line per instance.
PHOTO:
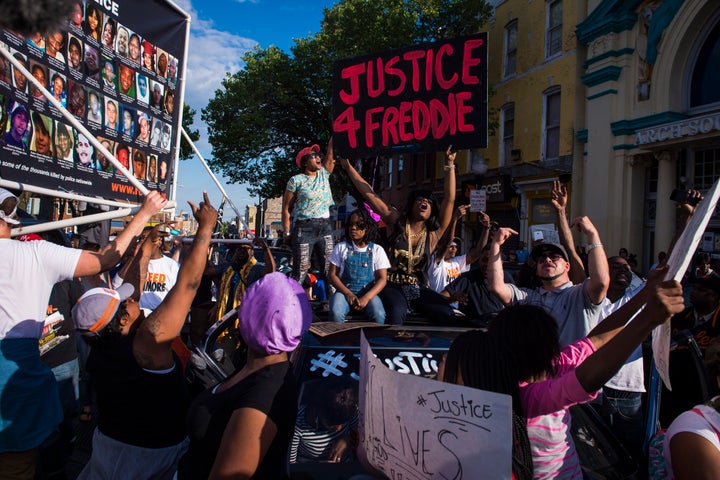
(419, 99)
(413, 428)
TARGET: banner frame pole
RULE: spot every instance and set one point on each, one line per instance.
(216, 181)
(74, 121)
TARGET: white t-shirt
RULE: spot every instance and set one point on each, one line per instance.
(690, 421)
(441, 274)
(340, 253)
(631, 376)
(30, 269)
(161, 277)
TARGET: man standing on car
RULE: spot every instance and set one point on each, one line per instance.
(308, 197)
(243, 271)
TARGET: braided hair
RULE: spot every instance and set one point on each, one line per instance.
(477, 360)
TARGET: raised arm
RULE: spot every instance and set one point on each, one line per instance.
(267, 256)
(663, 302)
(495, 274)
(449, 234)
(448, 202)
(156, 332)
(559, 200)
(92, 263)
(329, 157)
(388, 214)
(474, 254)
(598, 269)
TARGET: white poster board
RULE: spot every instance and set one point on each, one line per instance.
(548, 231)
(478, 200)
(413, 428)
(678, 263)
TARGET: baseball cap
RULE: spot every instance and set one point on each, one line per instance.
(311, 149)
(274, 314)
(97, 307)
(548, 247)
(7, 218)
(28, 237)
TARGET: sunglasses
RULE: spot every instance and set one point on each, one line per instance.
(554, 257)
(358, 225)
(313, 155)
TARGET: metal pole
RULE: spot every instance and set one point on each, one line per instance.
(214, 178)
(75, 123)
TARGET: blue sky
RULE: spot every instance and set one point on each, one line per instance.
(221, 31)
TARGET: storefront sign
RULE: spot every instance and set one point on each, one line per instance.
(684, 128)
(497, 189)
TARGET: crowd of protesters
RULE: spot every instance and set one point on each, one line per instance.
(561, 329)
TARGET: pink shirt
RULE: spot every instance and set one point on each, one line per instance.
(546, 404)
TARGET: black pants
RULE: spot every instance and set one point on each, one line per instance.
(429, 304)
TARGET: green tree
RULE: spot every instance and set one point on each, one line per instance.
(265, 113)
(187, 120)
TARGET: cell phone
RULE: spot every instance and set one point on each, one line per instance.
(680, 196)
(538, 235)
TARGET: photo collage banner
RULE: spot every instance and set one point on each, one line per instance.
(117, 68)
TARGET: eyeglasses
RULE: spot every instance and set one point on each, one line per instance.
(313, 155)
(359, 225)
(554, 257)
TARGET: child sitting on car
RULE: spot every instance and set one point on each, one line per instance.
(358, 270)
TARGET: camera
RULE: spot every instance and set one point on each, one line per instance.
(680, 196)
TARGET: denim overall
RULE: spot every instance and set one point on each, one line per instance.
(358, 276)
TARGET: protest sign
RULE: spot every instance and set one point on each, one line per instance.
(478, 200)
(678, 263)
(422, 99)
(414, 427)
(117, 68)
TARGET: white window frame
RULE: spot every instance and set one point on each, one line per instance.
(505, 152)
(553, 33)
(551, 126)
(510, 52)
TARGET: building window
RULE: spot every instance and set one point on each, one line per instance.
(707, 168)
(706, 75)
(511, 33)
(553, 35)
(389, 175)
(400, 163)
(551, 127)
(508, 134)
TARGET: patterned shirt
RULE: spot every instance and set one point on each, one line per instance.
(313, 197)
(546, 405)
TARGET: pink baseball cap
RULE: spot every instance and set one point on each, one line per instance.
(274, 314)
(311, 149)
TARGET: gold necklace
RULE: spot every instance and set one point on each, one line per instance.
(415, 252)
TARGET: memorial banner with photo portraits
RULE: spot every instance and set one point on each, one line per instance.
(417, 99)
(116, 68)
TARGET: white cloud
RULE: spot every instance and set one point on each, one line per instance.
(212, 53)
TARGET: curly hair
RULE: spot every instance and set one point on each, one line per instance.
(371, 229)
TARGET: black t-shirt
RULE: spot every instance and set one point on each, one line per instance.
(481, 303)
(58, 344)
(271, 390)
(137, 407)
